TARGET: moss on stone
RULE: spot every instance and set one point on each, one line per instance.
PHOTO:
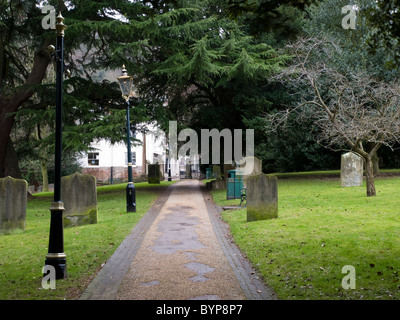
(79, 195)
(154, 180)
(87, 217)
(12, 226)
(262, 197)
(262, 212)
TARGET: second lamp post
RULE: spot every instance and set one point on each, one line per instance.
(125, 82)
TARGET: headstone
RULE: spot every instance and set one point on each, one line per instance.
(262, 197)
(251, 166)
(218, 184)
(216, 171)
(79, 195)
(351, 170)
(188, 172)
(154, 174)
(13, 199)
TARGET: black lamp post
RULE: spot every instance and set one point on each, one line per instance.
(56, 256)
(169, 166)
(125, 83)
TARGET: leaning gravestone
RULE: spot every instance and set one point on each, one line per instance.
(251, 166)
(351, 170)
(262, 197)
(154, 175)
(79, 195)
(13, 199)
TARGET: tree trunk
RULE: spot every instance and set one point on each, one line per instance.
(6, 123)
(11, 104)
(375, 158)
(45, 176)
(375, 162)
(369, 174)
(11, 166)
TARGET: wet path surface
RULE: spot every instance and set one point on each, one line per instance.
(180, 257)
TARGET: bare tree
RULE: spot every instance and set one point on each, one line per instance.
(351, 110)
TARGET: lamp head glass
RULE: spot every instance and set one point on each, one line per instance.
(125, 83)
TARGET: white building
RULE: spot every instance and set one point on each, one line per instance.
(109, 162)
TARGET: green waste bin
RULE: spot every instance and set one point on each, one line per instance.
(234, 184)
(208, 173)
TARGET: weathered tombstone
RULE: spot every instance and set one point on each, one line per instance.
(154, 174)
(218, 184)
(251, 166)
(216, 172)
(188, 171)
(13, 199)
(262, 197)
(351, 170)
(79, 195)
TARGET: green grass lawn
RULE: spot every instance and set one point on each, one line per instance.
(87, 247)
(321, 228)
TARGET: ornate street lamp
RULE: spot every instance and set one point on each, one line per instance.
(125, 83)
(56, 256)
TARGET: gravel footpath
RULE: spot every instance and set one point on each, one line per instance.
(180, 250)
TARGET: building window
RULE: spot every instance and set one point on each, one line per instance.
(93, 159)
(133, 158)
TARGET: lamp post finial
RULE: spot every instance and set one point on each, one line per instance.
(60, 26)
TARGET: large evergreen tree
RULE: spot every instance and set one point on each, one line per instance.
(92, 108)
(23, 64)
(208, 71)
(190, 61)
